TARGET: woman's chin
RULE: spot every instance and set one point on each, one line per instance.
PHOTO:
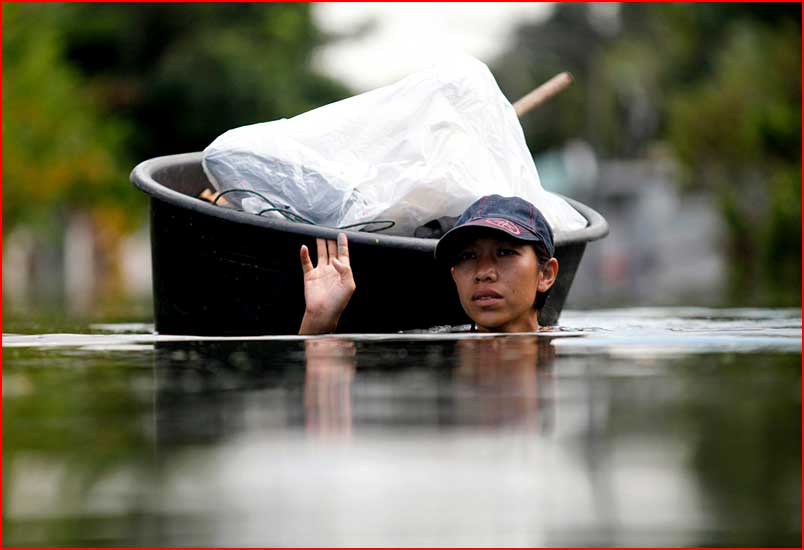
(491, 321)
(502, 321)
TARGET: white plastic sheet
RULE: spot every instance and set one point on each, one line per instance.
(425, 147)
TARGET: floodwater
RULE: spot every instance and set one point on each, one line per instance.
(648, 427)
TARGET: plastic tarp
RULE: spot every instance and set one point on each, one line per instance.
(425, 147)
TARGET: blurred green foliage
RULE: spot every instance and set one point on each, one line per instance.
(91, 89)
(188, 72)
(59, 150)
(716, 84)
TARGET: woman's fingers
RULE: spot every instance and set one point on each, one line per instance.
(328, 250)
(345, 273)
(343, 248)
(332, 249)
(339, 266)
(306, 262)
(323, 255)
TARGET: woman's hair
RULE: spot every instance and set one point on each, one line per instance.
(542, 256)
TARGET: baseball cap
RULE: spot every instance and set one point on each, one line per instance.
(512, 216)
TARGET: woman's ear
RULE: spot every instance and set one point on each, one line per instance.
(548, 275)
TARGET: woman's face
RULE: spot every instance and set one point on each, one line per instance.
(497, 281)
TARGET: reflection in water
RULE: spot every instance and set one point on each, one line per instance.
(515, 440)
(515, 374)
(497, 382)
(329, 370)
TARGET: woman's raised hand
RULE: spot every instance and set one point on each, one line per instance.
(327, 287)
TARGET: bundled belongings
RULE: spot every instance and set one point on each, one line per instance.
(416, 153)
(403, 155)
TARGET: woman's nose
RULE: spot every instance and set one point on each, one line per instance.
(486, 271)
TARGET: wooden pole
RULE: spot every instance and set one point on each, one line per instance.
(542, 93)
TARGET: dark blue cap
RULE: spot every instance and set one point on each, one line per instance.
(515, 217)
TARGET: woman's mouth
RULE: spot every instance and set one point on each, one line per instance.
(486, 297)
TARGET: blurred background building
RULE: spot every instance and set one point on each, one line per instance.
(683, 128)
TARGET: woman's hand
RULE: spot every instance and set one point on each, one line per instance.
(327, 287)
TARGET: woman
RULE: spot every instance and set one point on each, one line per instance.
(500, 254)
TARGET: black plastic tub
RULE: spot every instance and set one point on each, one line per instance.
(218, 271)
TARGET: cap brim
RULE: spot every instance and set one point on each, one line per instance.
(447, 248)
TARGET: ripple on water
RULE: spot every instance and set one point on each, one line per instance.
(634, 331)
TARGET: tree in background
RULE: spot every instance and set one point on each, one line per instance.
(60, 152)
(738, 133)
(719, 83)
(188, 72)
(64, 160)
(89, 90)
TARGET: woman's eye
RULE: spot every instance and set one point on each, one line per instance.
(506, 252)
(463, 256)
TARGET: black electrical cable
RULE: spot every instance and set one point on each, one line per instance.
(390, 223)
(287, 213)
(222, 193)
(301, 219)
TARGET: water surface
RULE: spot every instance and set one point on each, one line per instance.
(650, 427)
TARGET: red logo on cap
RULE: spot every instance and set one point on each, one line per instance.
(505, 225)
